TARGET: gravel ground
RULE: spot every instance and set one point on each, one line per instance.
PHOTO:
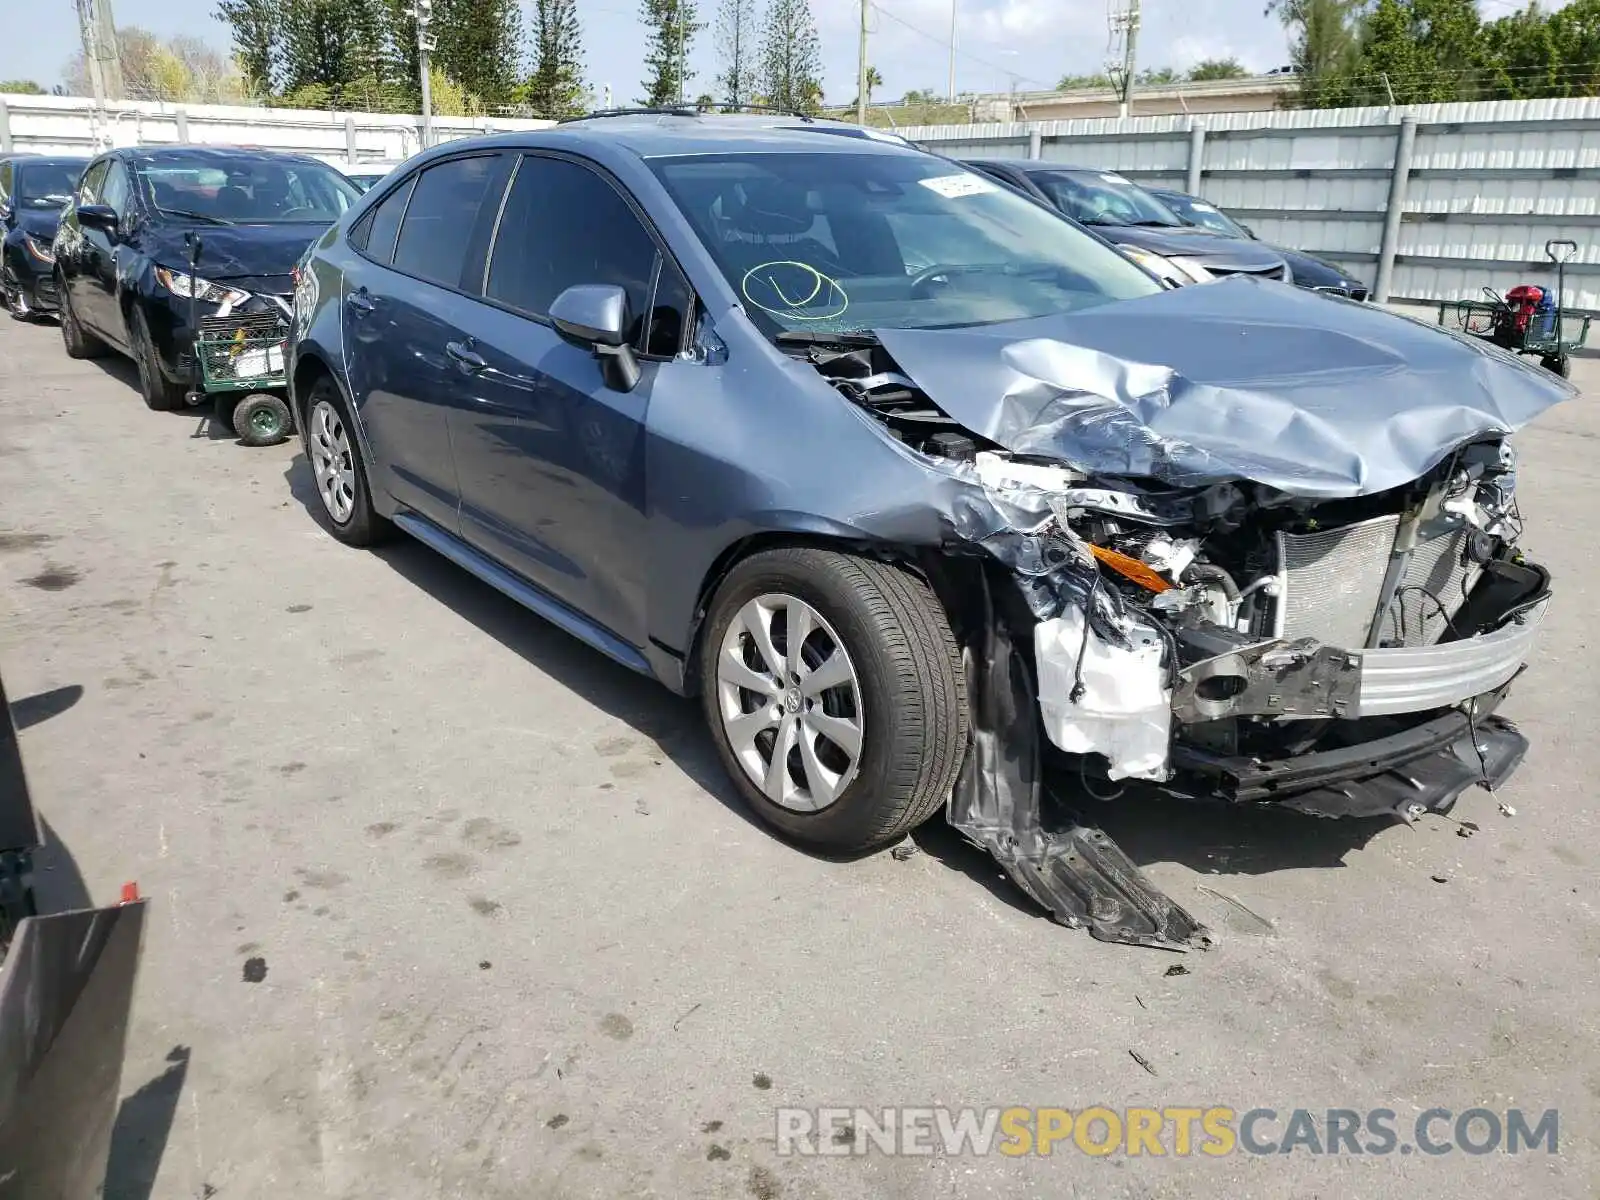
(512, 935)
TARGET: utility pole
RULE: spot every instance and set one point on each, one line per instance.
(1124, 17)
(426, 45)
(682, 95)
(861, 70)
(98, 31)
(950, 86)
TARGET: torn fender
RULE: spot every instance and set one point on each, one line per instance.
(1239, 379)
(1078, 874)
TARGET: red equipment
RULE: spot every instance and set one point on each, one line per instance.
(1523, 301)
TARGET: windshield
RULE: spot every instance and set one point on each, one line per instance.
(1207, 216)
(46, 185)
(831, 243)
(246, 190)
(1103, 199)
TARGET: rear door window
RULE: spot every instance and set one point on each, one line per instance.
(376, 234)
(565, 225)
(436, 237)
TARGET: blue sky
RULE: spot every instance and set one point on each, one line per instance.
(1036, 41)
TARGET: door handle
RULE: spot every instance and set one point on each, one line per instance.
(360, 301)
(467, 358)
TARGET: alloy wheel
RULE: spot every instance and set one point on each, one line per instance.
(331, 462)
(790, 702)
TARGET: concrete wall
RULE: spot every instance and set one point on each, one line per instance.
(72, 125)
(1487, 184)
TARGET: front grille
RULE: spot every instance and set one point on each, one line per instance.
(1436, 582)
(242, 325)
(1332, 581)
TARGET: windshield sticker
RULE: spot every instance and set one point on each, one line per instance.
(952, 186)
(1112, 177)
(794, 290)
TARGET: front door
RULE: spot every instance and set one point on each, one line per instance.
(402, 301)
(550, 458)
(101, 307)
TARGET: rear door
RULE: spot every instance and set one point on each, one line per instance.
(403, 306)
(551, 459)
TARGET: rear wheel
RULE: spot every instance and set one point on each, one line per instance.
(158, 392)
(834, 692)
(337, 470)
(1561, 364)
(78, 341)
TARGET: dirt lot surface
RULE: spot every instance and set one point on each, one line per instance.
(445, 905)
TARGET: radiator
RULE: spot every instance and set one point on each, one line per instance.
(1331, 581)
(1437, 570)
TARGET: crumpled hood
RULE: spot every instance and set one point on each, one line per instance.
(1200, 244)
(232, 251)
(1239, 379)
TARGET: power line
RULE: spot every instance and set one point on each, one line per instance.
(939, 41)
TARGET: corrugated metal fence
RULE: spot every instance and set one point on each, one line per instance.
(1453, 196)
(1436, 201)
(72, 125)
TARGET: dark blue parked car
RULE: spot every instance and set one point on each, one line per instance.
(898, 469)
(33, 189)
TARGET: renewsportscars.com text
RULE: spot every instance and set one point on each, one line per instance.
(1215, 1132)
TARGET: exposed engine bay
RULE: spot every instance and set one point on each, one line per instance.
(1231, 639)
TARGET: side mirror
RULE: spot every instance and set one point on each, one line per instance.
(598, 315)
(98, 216)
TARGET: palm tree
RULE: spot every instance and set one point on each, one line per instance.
(874, 80)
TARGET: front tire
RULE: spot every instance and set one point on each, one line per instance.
(75, 339)
(159, 394)
(852, 736)
(337, 472)
(16, 293)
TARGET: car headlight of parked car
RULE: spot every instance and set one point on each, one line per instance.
(1177, 270)
(188, 286)
(40, 250)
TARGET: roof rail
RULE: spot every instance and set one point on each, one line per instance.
(695, 110)
(676, 110)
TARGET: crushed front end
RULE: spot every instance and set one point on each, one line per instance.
(1341, 657)
(1235, 574)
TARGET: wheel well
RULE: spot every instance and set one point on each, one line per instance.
(940, 571)
(307, 371)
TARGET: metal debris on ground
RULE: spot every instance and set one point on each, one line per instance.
(1465, 828)
(903, 851)
(1142, 1061)
(1440, 878)
(1176, 969)
(1506, 810)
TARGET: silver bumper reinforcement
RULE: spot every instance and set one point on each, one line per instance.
(1416, 678)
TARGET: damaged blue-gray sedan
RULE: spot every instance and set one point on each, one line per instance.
(930, 495)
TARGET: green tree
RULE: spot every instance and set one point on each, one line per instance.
(1324, 47)
(479, 46)
(1217, 68)
(1576, 32)
(256, 27)
(736, 46)
(1075, 83)
(555, 88)
(21, 87)
(791, 57)
(1419, 52)
(1155, 76)
(672, 25)
(182, 69)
